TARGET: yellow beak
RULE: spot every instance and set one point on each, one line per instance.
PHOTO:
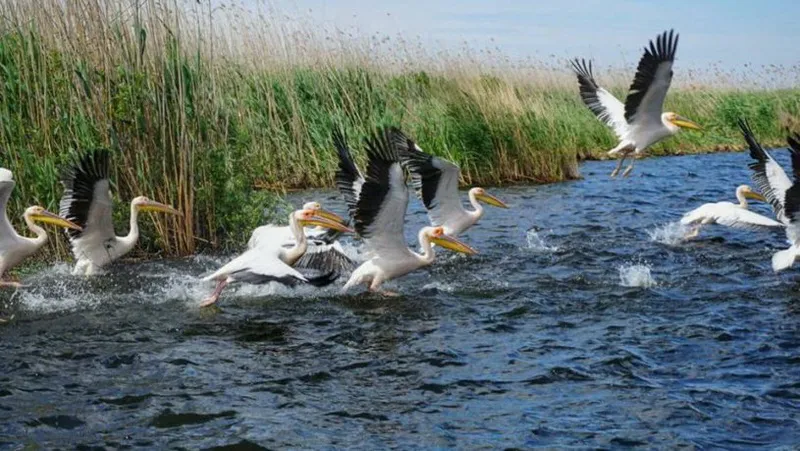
(681, 121)
(51, 218)
(326, 223)
(754, 196)
(159, 207)
(453, 244)
(491, 200)
(329, 215)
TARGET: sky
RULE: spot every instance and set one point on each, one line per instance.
(729, 33)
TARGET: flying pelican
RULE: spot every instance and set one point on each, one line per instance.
(730, 214)
(272, 262)
(436, 181)
(14, 247)
(87, 202)
(380, 209)
(780, 191)
(639, 123)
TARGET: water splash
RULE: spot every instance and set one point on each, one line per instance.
(636, 275)
(671, 234)
(536, 243)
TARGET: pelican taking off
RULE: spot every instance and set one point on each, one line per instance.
(380, 208)
(270, 261)
(782, 193)
(14, 247)
(87, 202)
(639, 123)
(730, 214)
(436, 181)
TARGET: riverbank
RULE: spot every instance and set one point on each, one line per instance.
(220, 123)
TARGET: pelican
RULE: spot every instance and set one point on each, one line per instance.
(272, 262)
(782, 193)
(14, 247)
(436, 181)
(639, 123)
(730, 214)
(323, 253)
(87, 202)
(380, 209)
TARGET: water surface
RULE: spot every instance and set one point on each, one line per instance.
(583, 322)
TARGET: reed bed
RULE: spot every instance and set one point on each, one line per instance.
(217, 109)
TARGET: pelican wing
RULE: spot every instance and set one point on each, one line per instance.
(6, 187)
(326, 258)
(381, 209)
(645, 99)
(348, 178)
(602, 103)
(87, 198)
(768, 175)
(792, 195)
(740, 218)
(260, 266)
(436, 181)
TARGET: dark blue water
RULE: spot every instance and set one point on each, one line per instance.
(587, 332)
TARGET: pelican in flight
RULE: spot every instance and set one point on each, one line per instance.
(781, 192)
(270, 261)
(436, 181)
(639, 122)
(87, 202)
(380, 207)
(14, 247)
(730, 214)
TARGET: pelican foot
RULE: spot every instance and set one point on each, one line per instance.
(627, 171)
(614, 172)
(389, 294)
(12, 284)
(211, 300)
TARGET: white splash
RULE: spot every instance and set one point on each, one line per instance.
(636, 275)
(671, 234)
(536, 243)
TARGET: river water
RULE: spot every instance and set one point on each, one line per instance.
(584, 322)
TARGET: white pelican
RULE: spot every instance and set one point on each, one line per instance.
(14, 247)
(730, 214)
(323, 253)
(380, 214)
(639, 123)
(436, 181)
(87, 202)
(780, 191)
(270, 261)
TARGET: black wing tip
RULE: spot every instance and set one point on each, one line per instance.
(794, 142)
(664, 47)
(323, 280)
(756, 151)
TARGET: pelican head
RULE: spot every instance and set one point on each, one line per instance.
(481, 195)
(437, 236)
(39, 214)
(309, 217)
(317, 208)
(675, 122)
(744, 191)
(142, 203)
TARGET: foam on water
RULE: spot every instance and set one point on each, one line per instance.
(536, 243)
(672, 233)
(636, 275)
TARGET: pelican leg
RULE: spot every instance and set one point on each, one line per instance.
(619, 165)
(215, 295)
(694, 232)
(11, 284)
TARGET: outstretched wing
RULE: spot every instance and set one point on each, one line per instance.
(745, 219)
(436, 181)
(792, 196)
(602, 103)
(768, 175)
(326, 258)
(6, 187)
(87, 197)
(645, 100)
(348, 178)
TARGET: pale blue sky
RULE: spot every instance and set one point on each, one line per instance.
(612, 32)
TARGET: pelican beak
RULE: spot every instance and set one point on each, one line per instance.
(326, 223)
(491, 200)
(329, 215)
(448, 242)
(159, 207)
(52, 218)
(681, 121)
(754, 196)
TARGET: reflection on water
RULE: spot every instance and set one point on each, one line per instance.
(556, 334)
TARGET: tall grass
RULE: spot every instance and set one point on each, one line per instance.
(218, 110)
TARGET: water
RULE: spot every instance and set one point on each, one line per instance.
(578, 324)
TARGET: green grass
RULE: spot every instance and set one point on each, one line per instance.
(221, 137)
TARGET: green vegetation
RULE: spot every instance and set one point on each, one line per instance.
(217, 115)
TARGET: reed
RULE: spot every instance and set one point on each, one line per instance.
(218, 111)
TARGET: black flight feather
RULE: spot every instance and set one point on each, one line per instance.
(79, 180)
(662, 51)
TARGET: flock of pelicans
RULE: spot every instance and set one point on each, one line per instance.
(377, 199)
